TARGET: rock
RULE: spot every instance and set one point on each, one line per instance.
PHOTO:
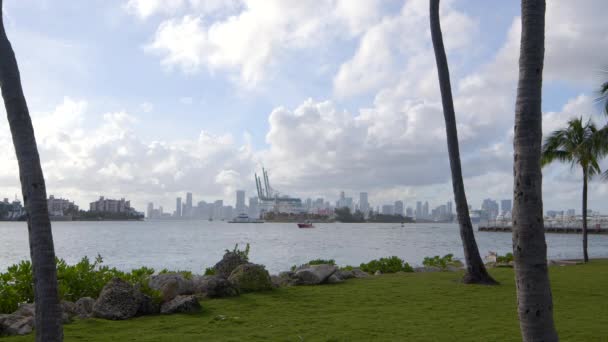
(334, 279)
(377, 273)
(358, 273)
(118, 300)
(26, 310)
(230, 261)
(344, 274)
(215, 287)
(278, 281)
(171, 285)
(315, 274)
(427, 269)
(181, 304)
(14, 324)
(251, 277)
(84, 307)
(148, 306)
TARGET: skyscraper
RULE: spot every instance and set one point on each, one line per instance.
(188, 211)
(240, 201)
(398, 208)
(363, 203)
(254, 210)
(178, 207)
(425, 209)
(505, 205)
(418, 209)
(149, 211)
(449, 204)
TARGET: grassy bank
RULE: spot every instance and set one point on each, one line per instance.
(413, 306)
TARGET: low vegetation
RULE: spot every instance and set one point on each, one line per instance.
(387, 265)
(441, 262)
(432, 306)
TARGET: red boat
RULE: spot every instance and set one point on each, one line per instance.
(305, 225)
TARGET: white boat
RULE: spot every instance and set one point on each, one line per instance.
(244, 218)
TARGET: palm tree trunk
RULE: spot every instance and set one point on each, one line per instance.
(535, 305)
(476, 270)
(48, 312)
(585, 177)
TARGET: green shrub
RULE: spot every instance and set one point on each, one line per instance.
(83, 279)
(504, 259)
(244, 254)
(321, 262)
(441, 262)
(387, 265)
(185, 274)
(209, 271)
(347, 268)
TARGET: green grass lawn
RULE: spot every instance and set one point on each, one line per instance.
(400, 307)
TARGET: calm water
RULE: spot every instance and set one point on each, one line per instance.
(194, 245)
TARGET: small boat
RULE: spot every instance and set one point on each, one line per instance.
(306, 225)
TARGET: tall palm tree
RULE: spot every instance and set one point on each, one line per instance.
(577, 144)
(48, 312)
(604, 96)
(476, 271)
(534, 299)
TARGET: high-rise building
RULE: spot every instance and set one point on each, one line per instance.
(388, 209)
(398, 208)
(188, 207)
(218, 209)
(363, 203)
(418, 209)
(149, 211)
(254, 210)
(178, 207)
(505, 206)
(490, 208)
(240, 202)
(449, 206)
(425, 209)
(409, 212)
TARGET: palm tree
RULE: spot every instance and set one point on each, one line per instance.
(576, 144)
(476, 271)
(534, 299)
(48, 312)
(604, 96)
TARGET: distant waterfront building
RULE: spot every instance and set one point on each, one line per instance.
(105, 205)
(388, 209)
(571, 213)
(363, 203)
(409, 212)
(60, 206)
(178, 207)
(398, 208)
(11, 210)
(449, 206)
(254, 209)
(425, 209)
(489, 208)
(418, 209)
(218, 207)
(188, 207)
(505, 206)
(240, 202)
(149, 210)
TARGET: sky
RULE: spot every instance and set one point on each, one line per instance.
(149, 99)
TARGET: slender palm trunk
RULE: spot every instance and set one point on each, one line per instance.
(476, 270)
(535, 304)
(585, 178)
(48, 313)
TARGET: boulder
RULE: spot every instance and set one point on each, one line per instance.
(344, 274)
(358, 273)
(230, 261)
(26, 310)
(118, 300)
(377, 273)
(315, 274)
(334, 279)
(148, 306)
(171, 285)
(84, 307)
(251, 277)
(181, 304)
(214, 287)
(14, 324)
(427, 269)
